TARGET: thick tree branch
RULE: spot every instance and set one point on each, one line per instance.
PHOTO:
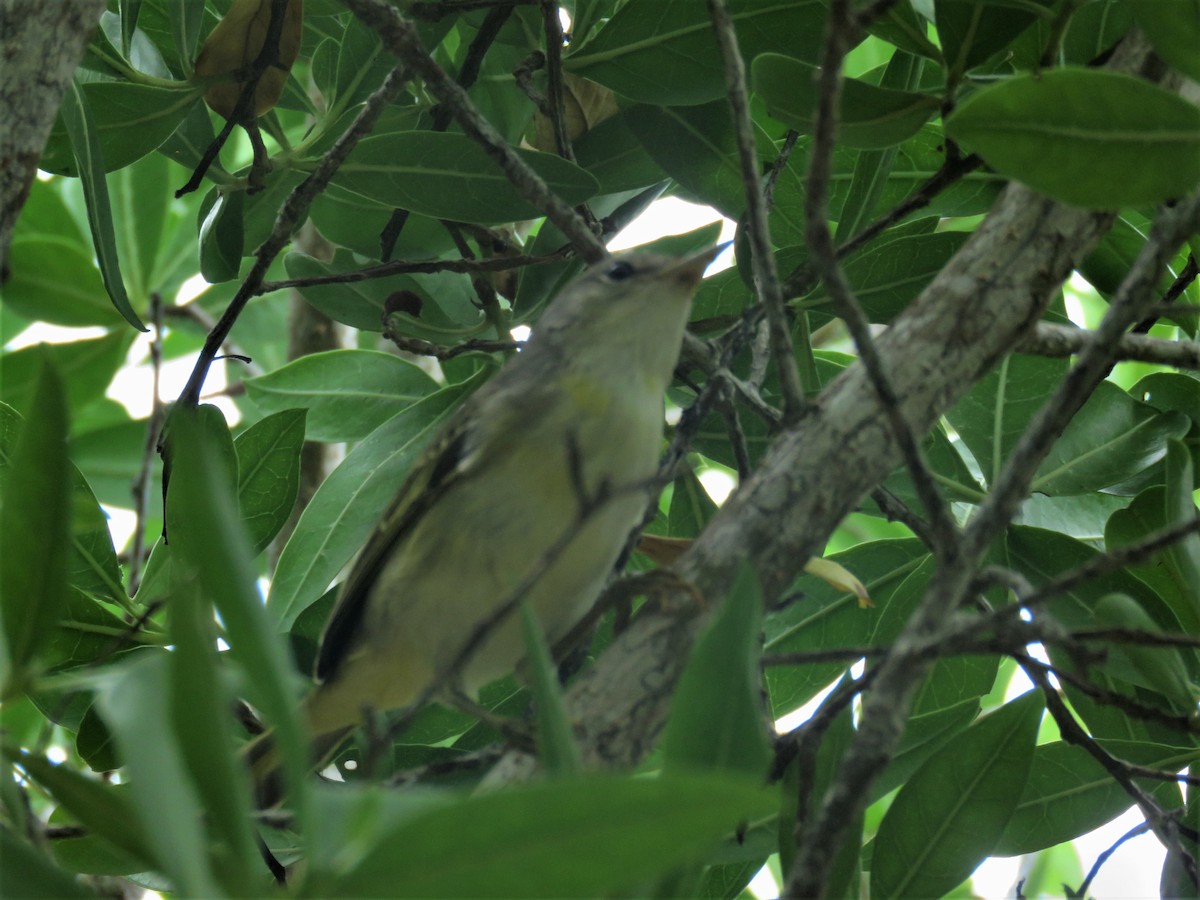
(1064, 340)
(40, 45)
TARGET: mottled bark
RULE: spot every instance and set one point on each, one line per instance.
(41, 45)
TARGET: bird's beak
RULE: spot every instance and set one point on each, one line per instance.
(690, 269)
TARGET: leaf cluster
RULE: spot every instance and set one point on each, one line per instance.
(131, 659)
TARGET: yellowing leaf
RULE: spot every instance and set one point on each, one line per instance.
(236, 42)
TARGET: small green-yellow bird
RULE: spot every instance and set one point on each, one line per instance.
(541, 474)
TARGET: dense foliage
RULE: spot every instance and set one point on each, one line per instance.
(399, 231)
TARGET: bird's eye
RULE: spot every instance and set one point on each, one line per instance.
(619, 271)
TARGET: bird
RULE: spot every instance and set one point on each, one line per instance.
(529, 493)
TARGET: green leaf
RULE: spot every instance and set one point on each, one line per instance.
(209, 546)
(895, 573)
(557, 749)
(137, 707)
(872, 168)
(847, 866)
(109, 457)
(949, 469)
(1111, 439)
(35, 529)
(129, 121)
(92, 566)
(697, 146)
(886, 277)
(444, 311)
(449, 176)
(340, 516)
(348, 393)
(1173, 27)
(615, 157)
(27, 873)
(269, 474)
(665, 52)
(1161, 669)
(870, 117)
(222, 236)
(53, 280)
(86, 368)
(199, 701)
(993, 415)
(970, 31)
(1174, 572)
(561, 839)
(1069, 794)
(104, 809)
(1141, 142)
(948, 817)
(94, 742)
(716, 719)
(89, 161)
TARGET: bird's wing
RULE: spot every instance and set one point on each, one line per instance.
(439, 467)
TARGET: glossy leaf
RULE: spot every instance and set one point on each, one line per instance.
(716, 721)
(870, 117)
(1173, 27)
(895, 573)
(1069, 793)
(970, 31)
(348, 393)
(561, 839)
(948, 817)
(697, 147)
(269, 474)
(130, 120)
(211, 558)
(1141, 142)
(89, 165)
(449, 176)
(435, 308)
(35, 527)
(340, 516)
(887, 277)
(665, 52)
(1111, 439)
(222, 237)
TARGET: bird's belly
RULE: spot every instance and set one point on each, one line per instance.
(513, 549)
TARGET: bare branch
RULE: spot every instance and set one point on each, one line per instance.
(400, 37)
(766, 277)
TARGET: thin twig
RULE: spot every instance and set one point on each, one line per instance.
(401, 38)
(1161, 822)
(290, 215)
(243, 110)
(141, 484)
(824, 255)
(766, 276)
(468, 73)
(1137, 291)
(409, 267)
